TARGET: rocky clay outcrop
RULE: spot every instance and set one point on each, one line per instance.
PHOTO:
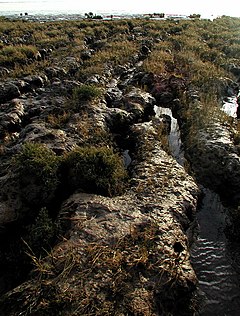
(70, 249)
(210, 148)
(131, 251)
(123, 254)
(216, 162)
(8, 92)
(128, 253)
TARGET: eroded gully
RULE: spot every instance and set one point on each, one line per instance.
(213, 256)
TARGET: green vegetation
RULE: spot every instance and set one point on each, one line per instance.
(42, 232)
(37, 168)
(86, 93)
(198, 49)
(159, 61)
(94, 169)
(11, 55)
(90, 169)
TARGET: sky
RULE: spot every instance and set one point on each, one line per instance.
(206, 8)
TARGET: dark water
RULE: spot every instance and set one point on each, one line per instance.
(213, 259)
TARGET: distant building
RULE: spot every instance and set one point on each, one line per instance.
(176, 17)
(155, 15)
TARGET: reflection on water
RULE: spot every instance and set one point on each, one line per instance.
(126, 158)
(230, 107)
(212, 260)
(175, 144)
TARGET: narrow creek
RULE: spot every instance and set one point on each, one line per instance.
(174, 138)
(213, 257)
(230, 105)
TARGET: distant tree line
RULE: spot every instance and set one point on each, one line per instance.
(157, 15)
(194, 16)
(90, 15)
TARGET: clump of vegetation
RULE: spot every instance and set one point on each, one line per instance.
(12, 55)
(86, 93)
(58, 120)
(95, 169)
(42, 232)
(118, 51)
(158, 62)
(37, 168)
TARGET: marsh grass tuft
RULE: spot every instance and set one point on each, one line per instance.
(95, 169)
(37, 169)
(86, 93)
(42, 232)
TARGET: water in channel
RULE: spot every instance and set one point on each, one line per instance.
(215, 260)
(230, 106)
(212, 257)
(175, 144)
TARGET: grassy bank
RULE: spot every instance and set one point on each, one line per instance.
(189, 66)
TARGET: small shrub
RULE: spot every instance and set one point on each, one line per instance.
(29, 51)
(37, 169)
(158, 62)
(42, 232)
(233, 50)
(86, 93)
(90, 70)
(97, 170)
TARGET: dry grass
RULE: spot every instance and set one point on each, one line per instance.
(158, 62)
(103, 279)
(114, 53)
(57, 121)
